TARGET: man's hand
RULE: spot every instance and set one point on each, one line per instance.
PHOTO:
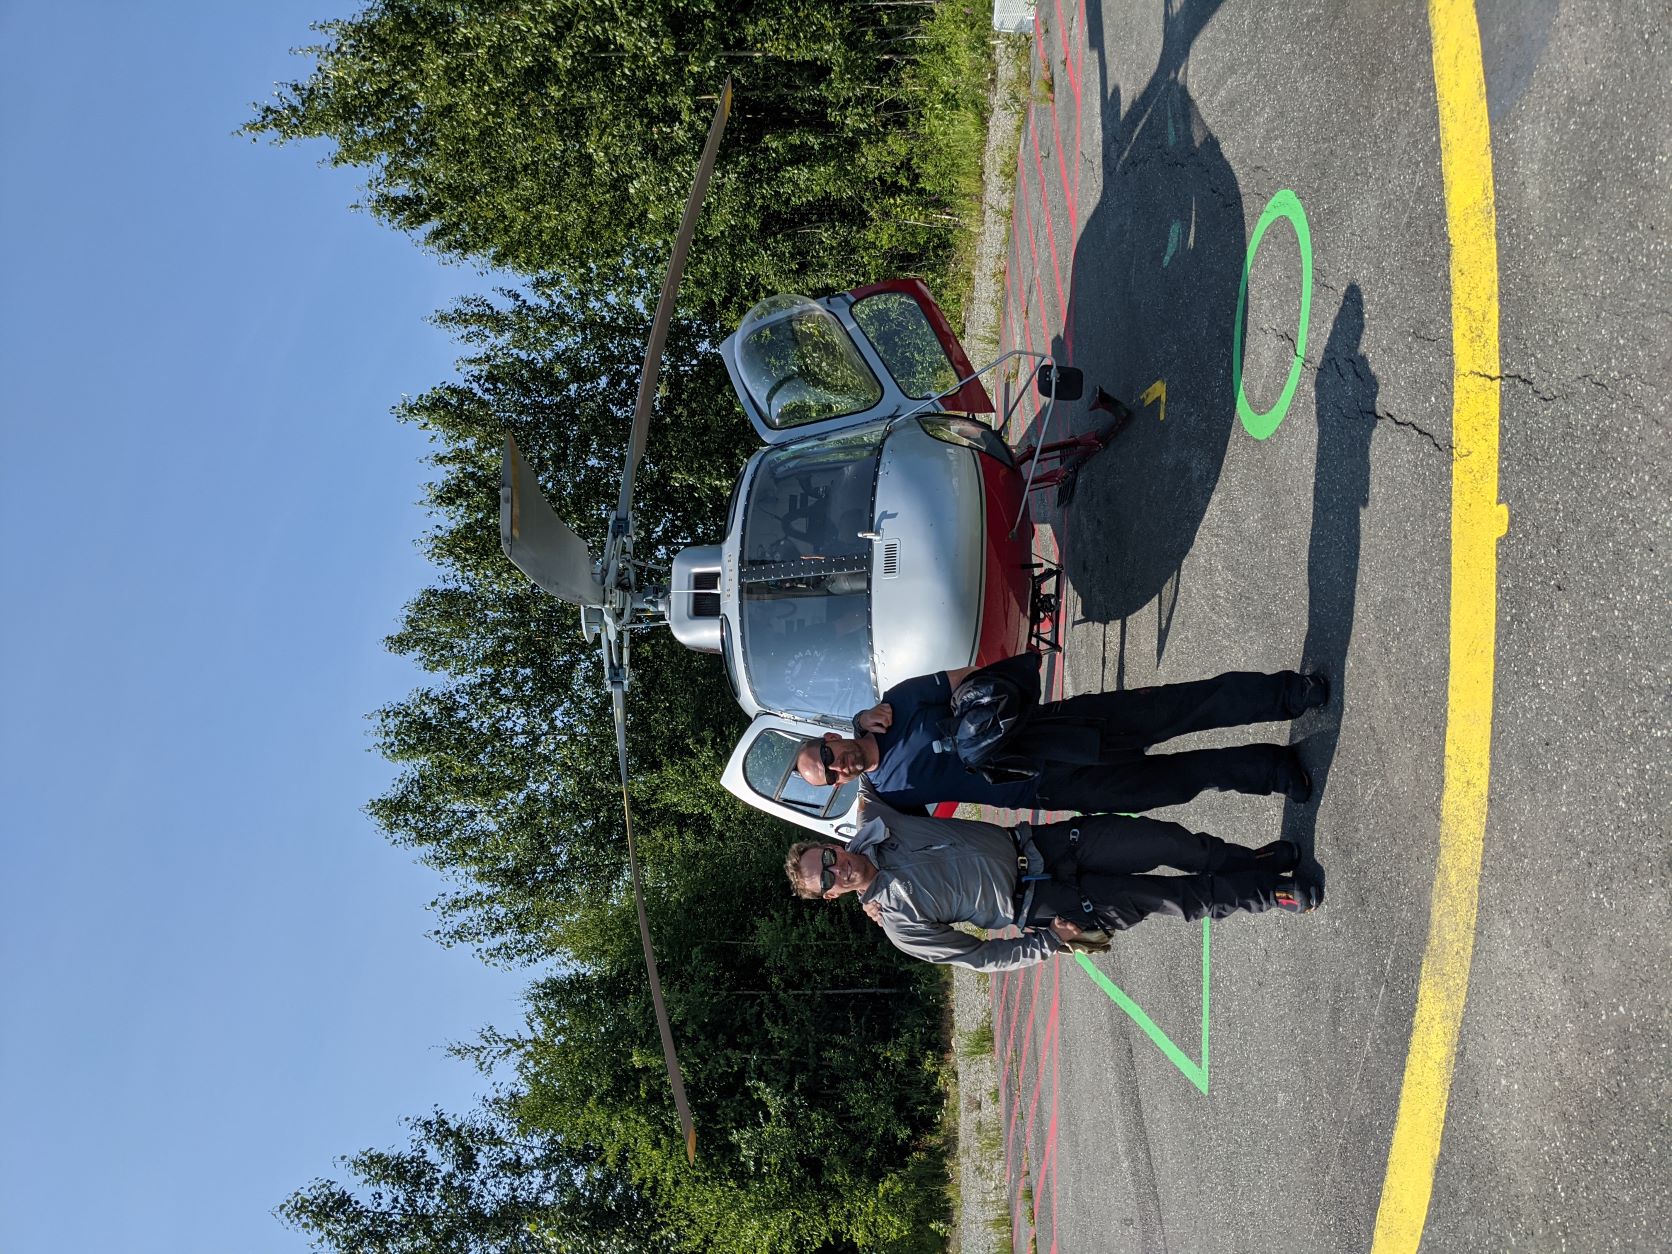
(873, 911)
(1065, 931)
(879, 718)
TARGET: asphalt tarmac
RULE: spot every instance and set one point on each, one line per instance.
(1155, 144)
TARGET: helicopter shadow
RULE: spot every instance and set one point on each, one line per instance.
(1155, 278)
(1346, 394)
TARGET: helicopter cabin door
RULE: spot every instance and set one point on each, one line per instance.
(805, 367)
(762, 772)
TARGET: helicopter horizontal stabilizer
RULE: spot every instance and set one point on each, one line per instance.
(538, 542)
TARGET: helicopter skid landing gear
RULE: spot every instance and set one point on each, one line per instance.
(1044, 600)
(1073, 453)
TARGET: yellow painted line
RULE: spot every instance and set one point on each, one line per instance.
(1478, 520)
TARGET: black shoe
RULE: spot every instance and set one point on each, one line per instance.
(1279, 857)
(1300, 782)
(1295, 897)
(1314, 693)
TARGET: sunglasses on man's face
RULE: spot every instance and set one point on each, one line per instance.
(827, 758)
(827, 880)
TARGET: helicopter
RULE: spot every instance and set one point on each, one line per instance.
(881, 533)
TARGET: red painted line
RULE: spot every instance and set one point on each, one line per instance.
(1033, 251)
(1018, 1154)
(1062, 30)
(1047, 1158)
(1027, 1039)
(1013, 269)
(1038, 1078)
(1000, 1015)
(1027, 332)
(1045, 209)
(1016, 982)
(995, 995)
(1080, 49)
(1006, 1103)
(1047, 1042)
(1070, 193)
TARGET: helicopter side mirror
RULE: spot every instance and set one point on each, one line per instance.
(1063, 383)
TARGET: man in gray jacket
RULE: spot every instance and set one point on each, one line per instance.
(1059, 882)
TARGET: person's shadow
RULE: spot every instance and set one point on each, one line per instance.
(1154, 292)
(1346, 390)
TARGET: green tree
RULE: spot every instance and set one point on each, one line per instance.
(547, 135)
(477, 1185)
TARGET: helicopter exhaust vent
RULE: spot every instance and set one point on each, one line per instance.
(891, 560)
(695, 601)
(706, 604)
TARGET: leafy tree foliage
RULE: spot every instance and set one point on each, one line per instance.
(544, 134)
(478, 1185)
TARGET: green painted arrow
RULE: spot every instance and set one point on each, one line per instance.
(1196, 1073)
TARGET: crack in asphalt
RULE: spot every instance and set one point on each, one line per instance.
(1355, 370)
(1523, 380)
(1444, 446)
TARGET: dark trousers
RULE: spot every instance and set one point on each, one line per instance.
(1128, 778)
(1099, 860)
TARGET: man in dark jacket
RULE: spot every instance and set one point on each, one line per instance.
(895, 746)
(1062, 883)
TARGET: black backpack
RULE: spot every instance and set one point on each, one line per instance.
(989, 708)
(999, 730)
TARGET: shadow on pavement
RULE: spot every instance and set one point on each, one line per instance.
(1346, 402)
(1154, 290)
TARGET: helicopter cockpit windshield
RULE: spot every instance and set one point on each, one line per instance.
(800, 366)
(805, 575)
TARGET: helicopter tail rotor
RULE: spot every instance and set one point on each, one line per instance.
(538, 542)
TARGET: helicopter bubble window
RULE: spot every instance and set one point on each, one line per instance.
(900, 332)
(769, 766)
(805, 578)
(800, 365)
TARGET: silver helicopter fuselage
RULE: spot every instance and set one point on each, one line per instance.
(879, 536)
(853, 562)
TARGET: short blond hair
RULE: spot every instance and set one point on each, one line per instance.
(792, 867)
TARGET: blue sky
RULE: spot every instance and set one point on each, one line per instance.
(216, 974)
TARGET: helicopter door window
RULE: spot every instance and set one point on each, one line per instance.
(769, 767)
(800, 365)
(900, 332)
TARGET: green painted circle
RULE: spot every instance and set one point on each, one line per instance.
(1283, 205)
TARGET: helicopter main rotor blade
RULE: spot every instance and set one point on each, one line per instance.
(664, 305)
(537, 541)
(618, 697)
